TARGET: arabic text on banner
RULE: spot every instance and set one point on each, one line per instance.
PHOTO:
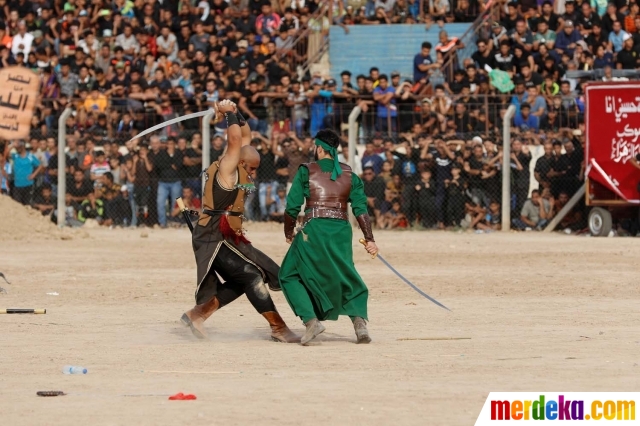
(18, 94)
(613, 137)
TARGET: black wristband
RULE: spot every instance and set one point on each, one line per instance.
(231, 119)
(241, 120)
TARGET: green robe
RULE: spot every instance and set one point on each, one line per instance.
(317, 276)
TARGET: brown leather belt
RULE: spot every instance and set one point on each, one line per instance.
(327, 204)
(317, 212)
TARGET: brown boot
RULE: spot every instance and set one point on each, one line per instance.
(279, 330)
(196, 317)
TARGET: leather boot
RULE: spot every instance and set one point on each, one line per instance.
(279, 330)
(314, 328)
(362, 334)
(196, 317)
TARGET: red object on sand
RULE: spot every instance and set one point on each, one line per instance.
(182, 397)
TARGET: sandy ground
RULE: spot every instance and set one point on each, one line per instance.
(544, 313)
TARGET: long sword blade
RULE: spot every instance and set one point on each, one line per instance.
(172, 121)
(409, 282)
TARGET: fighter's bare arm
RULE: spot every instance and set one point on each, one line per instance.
(246, 133)
(229, 163)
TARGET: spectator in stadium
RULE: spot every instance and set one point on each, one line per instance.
(92, 208)
(492, 220)
(100, 165)
(168, 166)
(535, 214)
(80, 188)
(423, 64)
(574, 220)
(387, 111)
(524, 120)
(141, 180)
(374, 188)
(456, 197)
(473, 167)
(190, 202)
(277, 204)
(116, 206)
(372, 159)
(22, 41)
(520, 159)
(618, 36)
(425, 194)
(543, 167)
(26, 167)
(44, 201)
(566, 40)
(252, 104)
(627, 58)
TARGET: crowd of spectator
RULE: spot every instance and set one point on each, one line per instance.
(433, 144)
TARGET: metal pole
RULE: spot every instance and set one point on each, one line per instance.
(353, 140)
(566, 209)
(62, 164)
(206, 143)
(506, 168)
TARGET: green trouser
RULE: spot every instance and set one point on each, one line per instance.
(298, 296)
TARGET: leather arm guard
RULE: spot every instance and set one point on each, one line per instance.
(241, 120)
(231, 119)
(365, 225)
(289, 226)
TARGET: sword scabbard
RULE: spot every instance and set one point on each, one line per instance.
(185, 213)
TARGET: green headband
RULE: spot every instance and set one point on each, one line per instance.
(337, 170)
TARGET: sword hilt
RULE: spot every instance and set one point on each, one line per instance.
(185, 213)
(364, 243)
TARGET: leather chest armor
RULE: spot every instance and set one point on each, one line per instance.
(325, 193)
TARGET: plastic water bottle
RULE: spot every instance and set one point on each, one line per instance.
(73, 369)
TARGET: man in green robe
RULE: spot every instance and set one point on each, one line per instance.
(317, 276)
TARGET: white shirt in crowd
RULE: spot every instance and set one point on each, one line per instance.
(128, 42)
(95, 46)
(21, 43)
(166, 45)
(298, 4)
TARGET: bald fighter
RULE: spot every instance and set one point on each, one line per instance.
(219, 241)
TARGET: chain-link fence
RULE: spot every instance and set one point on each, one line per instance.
(437, 162)
(431, 163)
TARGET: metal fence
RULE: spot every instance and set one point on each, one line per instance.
(432, 163)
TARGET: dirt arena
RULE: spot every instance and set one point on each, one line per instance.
(544, 313)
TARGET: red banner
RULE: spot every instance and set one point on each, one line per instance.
(613, 137)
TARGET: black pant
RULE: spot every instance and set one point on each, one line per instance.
(23, 195)
(117, 210)
(240, 277)
(427, 209)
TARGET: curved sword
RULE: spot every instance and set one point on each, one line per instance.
(173, 121)
(364, 243)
